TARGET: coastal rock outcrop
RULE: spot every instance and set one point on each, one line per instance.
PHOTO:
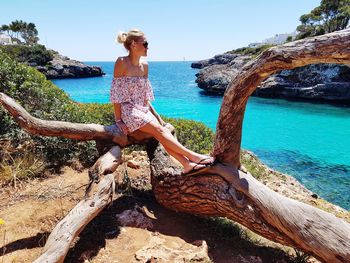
(62, 67)
(218, 59)
(318, 82)
(216, 73)
(327, 82)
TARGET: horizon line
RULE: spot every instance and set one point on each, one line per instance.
(147, 60)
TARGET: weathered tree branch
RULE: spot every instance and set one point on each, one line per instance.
(329, 48)
(78, 131)
(62, 236)
(223, 191)
(226, 192)
(106, 164)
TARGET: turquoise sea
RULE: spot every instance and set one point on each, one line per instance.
(308, 141)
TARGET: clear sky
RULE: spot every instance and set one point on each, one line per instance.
(192, 29)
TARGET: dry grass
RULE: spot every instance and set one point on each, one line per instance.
(19, 164)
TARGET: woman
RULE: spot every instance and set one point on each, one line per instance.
(131, 93)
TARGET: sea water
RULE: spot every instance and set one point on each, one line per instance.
(306, 140)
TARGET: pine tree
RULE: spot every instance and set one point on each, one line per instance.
(330, 16)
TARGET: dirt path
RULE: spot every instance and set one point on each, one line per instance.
(30, 213)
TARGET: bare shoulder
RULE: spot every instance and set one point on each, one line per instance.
(121, 61)
(119, 67)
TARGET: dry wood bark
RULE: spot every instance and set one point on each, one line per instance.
(69, 130)
(222, 190)
(62, 236)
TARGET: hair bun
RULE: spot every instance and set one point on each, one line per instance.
(121, 37)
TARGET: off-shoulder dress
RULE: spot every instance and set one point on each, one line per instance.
(133, 93)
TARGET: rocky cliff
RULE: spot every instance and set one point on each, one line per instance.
(319, 82)
(62, 67)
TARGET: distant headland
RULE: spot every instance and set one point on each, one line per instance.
(61, 67)
(318, 82)
(19, 40)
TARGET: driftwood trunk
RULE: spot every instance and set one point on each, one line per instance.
(224, 191)
(221, 190)
(61, 237)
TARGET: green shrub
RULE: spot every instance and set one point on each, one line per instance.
(44, 100)
(192, 134)
(251, 51)
(37, 54)
(254, 165)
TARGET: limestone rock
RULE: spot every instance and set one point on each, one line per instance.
(249, 259)
(135, 218)
(63, 67)
(218, 59)
(318, 82)
(133, 164)
(160, 251)
(215, 77)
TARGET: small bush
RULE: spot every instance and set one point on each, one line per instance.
(254, 52)
(193, 134)
(254, 165)
(301, 257)
(37, 54)
(42, 99)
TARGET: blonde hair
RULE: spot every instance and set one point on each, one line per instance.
(127, 38)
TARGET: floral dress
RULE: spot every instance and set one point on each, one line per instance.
(133, 93)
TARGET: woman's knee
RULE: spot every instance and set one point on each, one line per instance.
(154, 129)
(160, 130)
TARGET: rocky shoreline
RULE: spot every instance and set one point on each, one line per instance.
(317, 83)
(62, 67)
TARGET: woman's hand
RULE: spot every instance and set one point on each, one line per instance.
(121, 125)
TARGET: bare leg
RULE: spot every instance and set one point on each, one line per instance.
(188, 165)
(170, 143)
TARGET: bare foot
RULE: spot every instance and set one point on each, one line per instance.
(243, 169)
(191, 167)
(203, 159)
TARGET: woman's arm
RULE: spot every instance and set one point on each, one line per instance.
(117, 112)
(153, 111)
(119, 69)
(118, 119)
(118, 72)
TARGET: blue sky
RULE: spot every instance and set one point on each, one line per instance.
(192, 29)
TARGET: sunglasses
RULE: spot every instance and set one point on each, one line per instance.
(145, 44)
